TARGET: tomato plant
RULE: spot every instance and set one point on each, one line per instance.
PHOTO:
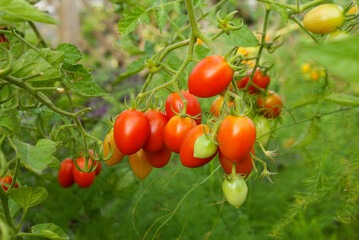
(270, 105)
(65, 176)
(139, 164)
(263, 129)
(235, 191)
(6, 182)
(260, 80)
(83, 179)
(217, 104)
(244, 166)
(160, 158)
(157, 121)
(109, 144)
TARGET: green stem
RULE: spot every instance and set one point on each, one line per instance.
(6, 210)
(38, 34)
(305, 30)
(22, 219)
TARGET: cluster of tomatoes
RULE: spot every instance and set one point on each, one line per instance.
(6, 182)
(69, 172)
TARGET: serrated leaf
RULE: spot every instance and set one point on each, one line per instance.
(135, 67)
(9, 123)
(54, 58)
(80, 81)
(21, 10)
(72, 53)
(161, 17)
(50, 231)
(305, 100)
(28, 197)
(197, 3)
(281, 10)
(132, 19)
(309, 134)
(36, 158)
(242, 37)
(343, 99)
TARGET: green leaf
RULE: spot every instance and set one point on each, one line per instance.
(21, 10)
(340, 57)
(242, 37)
(343, 99)
(28, 197)
(126, 43)
(9, 122)
(161, 17)
(36, 158)
(134, 67)
(197, 3)
(281, 10)
(309, 134)
(54, 58)
(80, 81)
(50, 231)
(305, 100)
(201, 51)
(72, 53)
(132, 18)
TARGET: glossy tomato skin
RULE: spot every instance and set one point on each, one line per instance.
(64, 176)
(108, 142)
(175, 131)
(262, 81)
(83, 179)
(175, 100)
(139, 164)
(323, 19)
(160, 158)
(235, 191)
(186, 152)
(236, 137)
(7, 179)
(244, 166)
(210, 77)
(131, 131)
(217, 104)
(270, 105)
(157, 121)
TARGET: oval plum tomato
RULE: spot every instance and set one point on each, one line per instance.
(131, 131)
(217, 104)
(210, 77)
(83, 179)
(204, 147)
(159, 159)
(263, 128)
(157, 121)
(262, 81)
(235, 191)
(271, 105)
(175, 100)
(108, 142)
(323, 19)
(139, 164)
(6, 182)
(337, 36)
(244, 166)
(186, 152)
(65, 177)
(236, 137)
(175, 131)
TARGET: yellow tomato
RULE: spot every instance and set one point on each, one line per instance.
(117, 155)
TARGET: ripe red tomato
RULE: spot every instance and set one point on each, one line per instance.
(7, 180)
(217, 104)
(186, 152)
(65, 176)
(244, 166)
(157, 121)
(175, 100)
(271, 105)
(259, 79)
(236, 136)
(160, 158)
(83, 179)
(98, 169)
(139, 164)
(210, 77)
(175, 131)
(131, 131)
(116, 155)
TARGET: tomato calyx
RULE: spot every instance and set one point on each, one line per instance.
(226, 23)
(152, 64)
(182, 111)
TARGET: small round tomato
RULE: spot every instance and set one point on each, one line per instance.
(217, 104)
(131, 131)
(337, 36)
(236, 137)
(7, 180)
(323, 19)
(157, 121)
(262, 81)
(210, 77)
(235, 191)
(244, 166)
(263, 128)
(271, 105)
(83, 179)
(160, 158)
(187, 148)
(175, 131)
(139, 164)
(65, 177)
(108, 142)
(175, 100)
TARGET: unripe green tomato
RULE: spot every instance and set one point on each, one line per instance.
(235, 191)
(337, 35)
(323, 19)
(204, 147)
(262, 127)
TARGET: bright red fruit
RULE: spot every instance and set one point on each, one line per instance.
(8, 180)
(270, 105)
(65, 176)
(83, 179)
(157, 121)
(244, 166)
(160, 158)
(262, 81)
